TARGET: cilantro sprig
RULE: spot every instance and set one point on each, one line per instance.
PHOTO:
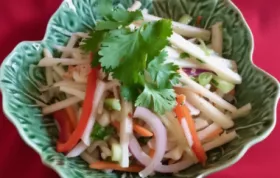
(135, 57)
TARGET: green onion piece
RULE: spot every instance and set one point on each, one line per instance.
(184, 55)
(112, 104)
(204, 47)
(222, 85)
(205, 78)
(185, 19)
(116, 152)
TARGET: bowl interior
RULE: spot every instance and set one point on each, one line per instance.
(19, 81)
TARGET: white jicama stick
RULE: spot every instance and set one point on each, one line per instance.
(207, 108)
(101, 103)
(73, 91)
(217, 38)
(104, 119)
(175, 153)
(203, 134)
(194, 111)
(221, 140)
(71, 43)
(47, 62)
(243, 111)
(95, 144)
(89, 159)
(182, 29)
(137, 5)
(97, 97)
(49, 76)
(59, 70)
(174, 56)
(210, 61)
(125, 132)
(200, 123)
(56, 77)
(71, 84)
(204, 92)
(60, 105)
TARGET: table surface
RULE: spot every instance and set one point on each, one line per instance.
(27, 20)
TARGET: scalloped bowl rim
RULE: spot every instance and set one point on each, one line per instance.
(206, 172)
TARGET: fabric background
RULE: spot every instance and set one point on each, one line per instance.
(27, 19)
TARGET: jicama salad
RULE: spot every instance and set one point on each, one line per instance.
(140, 93)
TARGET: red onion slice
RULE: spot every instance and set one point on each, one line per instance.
(144, 159)
(160, 139)
(194, 72)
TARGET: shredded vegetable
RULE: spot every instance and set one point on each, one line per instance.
(140, 93)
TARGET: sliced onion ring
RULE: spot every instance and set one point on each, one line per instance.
(160, 139)
(144, 159)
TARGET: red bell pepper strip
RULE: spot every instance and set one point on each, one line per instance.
(66, 128)
(183, 112)
(86, 112)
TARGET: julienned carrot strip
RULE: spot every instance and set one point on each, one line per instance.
(86, 111)
(213, 134)
(101, 165)
(183, 112)
(141, 131)
(65, 126)
(151, 153)
(72, 116)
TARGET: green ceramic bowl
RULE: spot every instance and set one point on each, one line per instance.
(18, 81)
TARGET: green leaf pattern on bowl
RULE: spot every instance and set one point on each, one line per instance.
(19, 82)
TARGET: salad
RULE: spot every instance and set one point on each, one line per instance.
(140, 93)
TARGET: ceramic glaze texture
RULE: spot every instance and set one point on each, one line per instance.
(19, 81)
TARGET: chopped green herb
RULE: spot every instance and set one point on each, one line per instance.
(100, 133)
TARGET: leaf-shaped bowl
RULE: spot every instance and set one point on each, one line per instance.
(19, 81)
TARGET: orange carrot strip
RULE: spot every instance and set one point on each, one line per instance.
(142, 131)
(101, 165)
(183, 112)
(72, 116)
(151, 153)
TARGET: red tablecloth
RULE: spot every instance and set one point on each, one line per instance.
(26, 20)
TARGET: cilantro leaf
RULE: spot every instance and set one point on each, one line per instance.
(160, 100)
(119, 18)
(117, 49)
(100, 133)
(105, 7)
(93, 42)
(155, 35)
(163, 74)
(130, 93)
